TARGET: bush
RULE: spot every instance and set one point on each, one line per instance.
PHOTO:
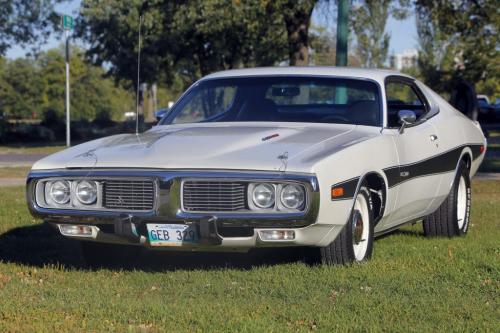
(103, 118)
(54, 122)
(3, 130)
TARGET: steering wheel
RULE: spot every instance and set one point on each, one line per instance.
(337, 117)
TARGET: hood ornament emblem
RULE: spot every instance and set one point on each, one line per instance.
(284, 161)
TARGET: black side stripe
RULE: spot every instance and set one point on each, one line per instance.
(349, 187)
(442, 163)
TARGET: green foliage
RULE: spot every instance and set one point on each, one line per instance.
(368, 21)
(35, 88)
(490, 86)
(459, 41)
(22, 91)
(323, 46)
(184, 40)
(26, 22)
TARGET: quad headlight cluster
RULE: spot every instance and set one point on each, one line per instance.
(276, 196)
(68, 193)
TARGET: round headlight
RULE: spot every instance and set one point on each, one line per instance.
(86, 192)
(60, 192)
(263, 195)
(292, 196)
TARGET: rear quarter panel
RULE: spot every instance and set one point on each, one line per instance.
(455, 130)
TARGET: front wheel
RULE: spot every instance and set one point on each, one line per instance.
(355, 241)
(452, 217)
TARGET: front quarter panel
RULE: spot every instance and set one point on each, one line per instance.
(349, 168)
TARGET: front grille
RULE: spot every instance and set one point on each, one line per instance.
(128, 194)
(213, 196)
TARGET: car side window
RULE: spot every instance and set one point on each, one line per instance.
(206, 104)
(402, 96)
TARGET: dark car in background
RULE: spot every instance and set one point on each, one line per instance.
(487, 112)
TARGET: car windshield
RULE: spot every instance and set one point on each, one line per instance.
(280, 99)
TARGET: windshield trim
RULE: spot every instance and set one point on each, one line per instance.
(168, 118)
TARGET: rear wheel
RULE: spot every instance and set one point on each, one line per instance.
(452, 217)
(355, 241)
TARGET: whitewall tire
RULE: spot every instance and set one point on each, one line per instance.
(355, 241)
(452, 217)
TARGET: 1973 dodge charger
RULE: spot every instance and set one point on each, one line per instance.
(325, 158)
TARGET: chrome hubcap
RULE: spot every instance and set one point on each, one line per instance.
(357, 228)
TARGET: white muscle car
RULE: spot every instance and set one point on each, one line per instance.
(320, 157)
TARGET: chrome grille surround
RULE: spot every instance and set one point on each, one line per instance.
(168, 197)
(214, 196)
(119, 194)
(129, 194)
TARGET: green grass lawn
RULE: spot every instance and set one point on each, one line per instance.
(14, 172)
(31, 149)
(412, 284)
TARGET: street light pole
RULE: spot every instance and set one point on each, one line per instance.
(68, 124)
(342, 33)
(341, 54)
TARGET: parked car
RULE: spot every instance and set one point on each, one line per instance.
(160, 113)
(496, 107)
(319, 157)
(486, 111)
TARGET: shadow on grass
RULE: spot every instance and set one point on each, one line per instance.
(402, 232)
(41, 245)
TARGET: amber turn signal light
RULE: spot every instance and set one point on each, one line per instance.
(337, 192)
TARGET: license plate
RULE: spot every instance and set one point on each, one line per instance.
(172, 234)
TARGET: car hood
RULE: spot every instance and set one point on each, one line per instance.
(248, 146)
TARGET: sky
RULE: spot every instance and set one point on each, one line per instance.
(403, 33)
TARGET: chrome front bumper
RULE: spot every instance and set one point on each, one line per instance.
(312, 235)
(217, 230)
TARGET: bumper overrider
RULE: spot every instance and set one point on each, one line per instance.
(203, 209)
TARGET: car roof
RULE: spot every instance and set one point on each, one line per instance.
(374, 74)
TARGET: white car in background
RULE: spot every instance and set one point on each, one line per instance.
(321, 157)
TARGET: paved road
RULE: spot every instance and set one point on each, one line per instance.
(17, 160)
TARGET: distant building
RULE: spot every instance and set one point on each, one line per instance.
(407, 59)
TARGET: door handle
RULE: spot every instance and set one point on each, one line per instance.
(434, 137)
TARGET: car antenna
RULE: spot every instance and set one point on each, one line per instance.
(138, 80)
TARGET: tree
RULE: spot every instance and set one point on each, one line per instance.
(26, 21)
(297, 18)
(218, 35)
(323, 48)
(24, 84)
(184, 40)
(433, 58)
(471, 51)
(368, 21)
(91, 93)
(32, 87)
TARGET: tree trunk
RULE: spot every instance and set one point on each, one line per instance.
(297, 23)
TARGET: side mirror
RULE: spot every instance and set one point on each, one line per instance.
(159, 114)
(406, 117)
